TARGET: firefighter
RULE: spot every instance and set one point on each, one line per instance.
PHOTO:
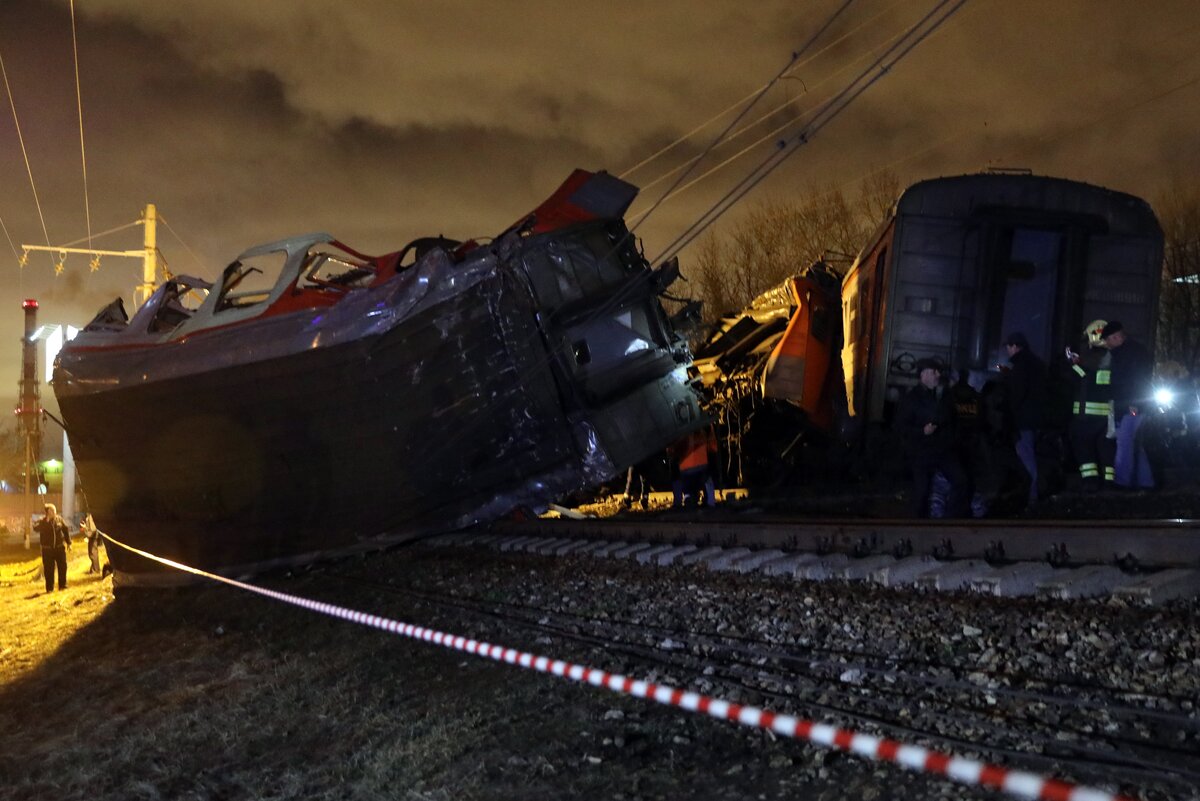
(1129, 388)
(1088, 431)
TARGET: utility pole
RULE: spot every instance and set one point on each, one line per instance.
(148, 254)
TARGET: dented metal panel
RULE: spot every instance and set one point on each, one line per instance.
(331, 409)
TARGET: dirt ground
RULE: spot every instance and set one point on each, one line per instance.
(213, 693)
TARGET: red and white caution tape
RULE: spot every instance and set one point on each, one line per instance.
(960, 769)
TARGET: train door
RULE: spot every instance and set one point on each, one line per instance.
(1025, 290)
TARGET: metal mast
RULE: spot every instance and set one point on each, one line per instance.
(148, 254)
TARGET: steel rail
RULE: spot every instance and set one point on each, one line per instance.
(1135, 543)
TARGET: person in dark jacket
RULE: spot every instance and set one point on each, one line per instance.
(1129, 388)
(56, 539)
(1025, 401)
(925, 422)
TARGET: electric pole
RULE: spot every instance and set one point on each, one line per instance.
(148, 254)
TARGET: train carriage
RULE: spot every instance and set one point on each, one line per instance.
(963, 261)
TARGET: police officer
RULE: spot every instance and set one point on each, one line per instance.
(1129, 388)
(926, 424)
(56, 539)
(1090, 374)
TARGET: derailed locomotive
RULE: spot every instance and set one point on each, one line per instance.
(958, 264)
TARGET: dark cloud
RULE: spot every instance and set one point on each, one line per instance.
(383, 120)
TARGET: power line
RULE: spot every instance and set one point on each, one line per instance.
(87, 207)
(20, 138)
(191, 252)
(915, 35)
(792, 68)
(716, 141)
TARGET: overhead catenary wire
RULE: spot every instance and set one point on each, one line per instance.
(25, 153)
(625, 174)
(765, 116)
(762, 92)
(916, 34)
(87, 206)
(178, 238)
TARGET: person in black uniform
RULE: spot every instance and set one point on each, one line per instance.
(56, 539)
(1130, 389)
(925, 422)
(1025, 399)
(1089, 374)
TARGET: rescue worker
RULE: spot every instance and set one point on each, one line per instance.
(693, 454)
(56, 539)
(1025, 400)
(1129, 389)
(925, 422)
(1088, 430)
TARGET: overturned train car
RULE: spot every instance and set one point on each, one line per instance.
(352, 399)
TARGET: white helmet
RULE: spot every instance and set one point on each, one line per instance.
(1094, 333)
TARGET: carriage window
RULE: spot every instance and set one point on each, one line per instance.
(249, 282)
(1028, 279)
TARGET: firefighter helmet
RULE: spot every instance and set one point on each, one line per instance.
(1095, 333)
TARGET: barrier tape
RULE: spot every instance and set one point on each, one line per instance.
(917, 758)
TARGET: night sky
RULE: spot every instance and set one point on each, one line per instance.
(383, 120)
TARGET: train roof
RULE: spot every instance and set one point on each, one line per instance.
(964, 196)
(968, 195)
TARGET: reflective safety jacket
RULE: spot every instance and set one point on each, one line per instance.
(1092, 377)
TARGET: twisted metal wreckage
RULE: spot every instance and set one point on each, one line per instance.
(357, 400)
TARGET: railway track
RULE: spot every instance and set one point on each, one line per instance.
(1038, 722)
(1046, 715)
(1139, 561)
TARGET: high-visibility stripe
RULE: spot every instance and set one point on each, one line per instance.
(1103, 377)
(1079, 371)
(1092, 407)
(1089, 470)
(1110, 473)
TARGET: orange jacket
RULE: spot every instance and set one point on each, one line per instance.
(694, 449)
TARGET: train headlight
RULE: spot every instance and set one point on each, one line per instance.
(1164, 397)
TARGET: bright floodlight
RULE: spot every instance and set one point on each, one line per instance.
(1164, 396)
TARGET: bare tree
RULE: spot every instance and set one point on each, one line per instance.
(778, 238)
(12, 453)
(1178, 211)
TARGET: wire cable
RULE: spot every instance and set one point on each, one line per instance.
(91, 236)
(716, 141)
(87, 206)
(915, 35)
(191, 252)
(667, 148)
(29, 170)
